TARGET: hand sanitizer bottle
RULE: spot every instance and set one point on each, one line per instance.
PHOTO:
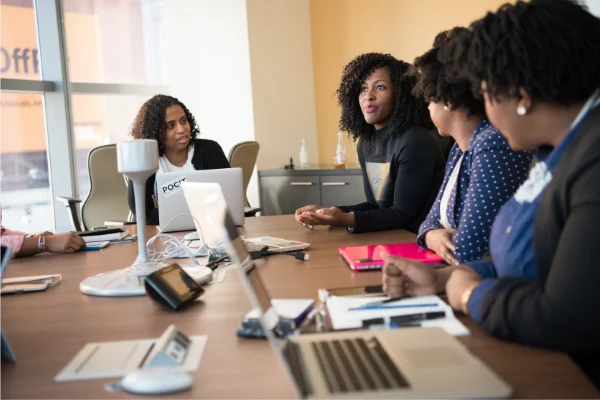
(339, 161)
(303, 156)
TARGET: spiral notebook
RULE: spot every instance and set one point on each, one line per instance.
(361, 258)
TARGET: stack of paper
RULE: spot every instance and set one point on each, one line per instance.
(343, 318)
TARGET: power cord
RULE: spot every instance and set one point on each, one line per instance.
(176, 247)
(299, 255)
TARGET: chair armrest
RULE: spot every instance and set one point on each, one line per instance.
(68, 200)
(118, 223)
(71, 204)
(251, 211)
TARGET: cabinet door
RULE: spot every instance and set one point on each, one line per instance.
(285, 194)
(342, 190)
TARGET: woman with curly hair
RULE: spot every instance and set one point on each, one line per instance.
(172, 125)
(482, 171)
(400, 156)
(536, 65)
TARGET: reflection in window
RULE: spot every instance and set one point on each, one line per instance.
(115, 41)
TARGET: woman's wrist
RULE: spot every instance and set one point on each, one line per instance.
(464, 299)
(349, 220)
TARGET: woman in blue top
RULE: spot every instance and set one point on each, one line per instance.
(482, 171)
(536, 64)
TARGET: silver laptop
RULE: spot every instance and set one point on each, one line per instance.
(7, 353)
(208, 196)
(171, 201)
(399, 363)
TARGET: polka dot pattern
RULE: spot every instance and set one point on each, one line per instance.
(490, 174)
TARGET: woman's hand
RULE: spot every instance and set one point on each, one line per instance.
(440, 242)
(461, 279)
(403, 277)
(67, 242)
(302, 211)
(327, 216)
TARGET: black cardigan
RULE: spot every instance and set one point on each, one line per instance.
(207, 155)
(415, 165)
(560, 310)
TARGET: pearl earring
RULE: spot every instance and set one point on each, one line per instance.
(446, 108)
(521, 110)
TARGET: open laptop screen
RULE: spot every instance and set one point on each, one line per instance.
(247, 264)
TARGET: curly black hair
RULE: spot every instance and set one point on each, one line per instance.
(434, 82)
(408, 110)
(149, 123)
(550, 48)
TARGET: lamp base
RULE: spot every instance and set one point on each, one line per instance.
(128, 282)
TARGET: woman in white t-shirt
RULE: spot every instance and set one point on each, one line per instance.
(172, 125)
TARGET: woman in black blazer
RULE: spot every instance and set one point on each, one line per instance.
(537, 66)
(172, 125)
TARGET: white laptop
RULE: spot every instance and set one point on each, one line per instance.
(171, 201)
(208, 196)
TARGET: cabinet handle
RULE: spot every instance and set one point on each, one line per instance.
(301, 183)
(334, 183)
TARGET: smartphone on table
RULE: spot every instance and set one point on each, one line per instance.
(89, 246)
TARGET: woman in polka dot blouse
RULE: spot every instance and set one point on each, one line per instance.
(482, 172)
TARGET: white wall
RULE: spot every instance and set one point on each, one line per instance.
(282, 80)
(208, 69)
(593, 6)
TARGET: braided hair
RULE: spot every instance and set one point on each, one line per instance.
(550, 48)
(433, 77)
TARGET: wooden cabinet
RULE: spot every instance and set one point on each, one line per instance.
(283, 191)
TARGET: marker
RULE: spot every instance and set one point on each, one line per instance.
(390, 307)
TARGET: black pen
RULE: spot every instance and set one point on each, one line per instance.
(414, 318)
(390, 300)
(404, 320)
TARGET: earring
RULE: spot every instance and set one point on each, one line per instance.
(446, 108)
(521, 110)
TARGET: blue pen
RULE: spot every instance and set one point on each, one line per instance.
(390, 307)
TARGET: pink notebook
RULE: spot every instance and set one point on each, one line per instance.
(368, 257)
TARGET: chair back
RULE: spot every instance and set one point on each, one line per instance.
(107, 199)
(243, 155)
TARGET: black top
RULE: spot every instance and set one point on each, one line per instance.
(560, 309)
(402, 174)
(207, 155)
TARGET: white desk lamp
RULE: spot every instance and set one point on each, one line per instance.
(137, 159)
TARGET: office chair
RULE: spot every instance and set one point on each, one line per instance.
(243, 155)
(107, 198)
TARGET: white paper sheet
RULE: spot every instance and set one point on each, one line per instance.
(341, 318)
(117, 359)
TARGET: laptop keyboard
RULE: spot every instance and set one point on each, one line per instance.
(351, 365)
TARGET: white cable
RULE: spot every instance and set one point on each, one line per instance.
(175, 247)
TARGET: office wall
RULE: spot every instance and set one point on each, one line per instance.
(209, 68)
(343, 29)
(282, 80)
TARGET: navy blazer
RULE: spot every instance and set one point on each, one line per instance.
(490, 174)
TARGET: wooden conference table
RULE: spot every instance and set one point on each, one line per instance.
(47, 329)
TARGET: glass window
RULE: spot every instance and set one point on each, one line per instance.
(19, 56)
(24, 184)
(115, 41)
(99, 120)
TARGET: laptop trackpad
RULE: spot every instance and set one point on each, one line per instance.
(431, 357)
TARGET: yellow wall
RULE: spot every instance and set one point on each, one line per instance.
(343, 29)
